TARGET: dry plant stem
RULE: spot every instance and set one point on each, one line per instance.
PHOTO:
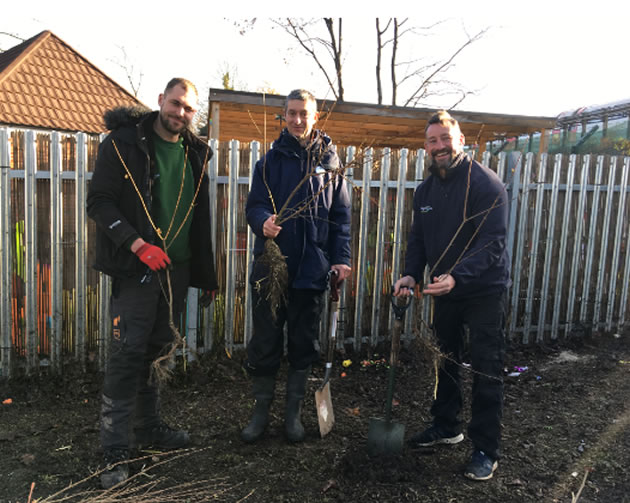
(576, 497)
(461, 226)
(439, 356)
(274, 286)
(158, 371)
(436, 370)
(133, 491)
(159, 367)
(54, 497)
(179, 198)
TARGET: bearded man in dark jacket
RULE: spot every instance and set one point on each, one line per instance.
(459, 229)
(149, 199)
(303, 172)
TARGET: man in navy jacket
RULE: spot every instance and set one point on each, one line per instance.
(459, 230)
(302, 174)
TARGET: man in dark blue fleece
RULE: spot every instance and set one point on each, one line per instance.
(459, 230)
(302, 174)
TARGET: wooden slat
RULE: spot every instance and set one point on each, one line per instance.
(243, 115)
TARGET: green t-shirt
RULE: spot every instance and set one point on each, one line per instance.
(172, 197)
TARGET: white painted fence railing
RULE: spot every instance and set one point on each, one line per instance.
(568, 235)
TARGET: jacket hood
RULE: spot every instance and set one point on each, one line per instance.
(124, 116)
(320, 148)
(289, 143)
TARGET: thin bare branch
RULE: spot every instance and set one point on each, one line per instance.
(298, 32)
(445, 64)
(393, 63)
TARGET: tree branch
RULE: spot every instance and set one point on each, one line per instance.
(441, 67)
(293, 29)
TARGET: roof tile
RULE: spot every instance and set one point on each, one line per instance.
(45, 83)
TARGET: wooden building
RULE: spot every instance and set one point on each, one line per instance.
(246, 116)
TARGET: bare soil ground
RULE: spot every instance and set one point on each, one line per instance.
(566, 416)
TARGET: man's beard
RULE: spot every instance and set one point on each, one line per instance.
(445, 162)
(448, 162)
(172, 129)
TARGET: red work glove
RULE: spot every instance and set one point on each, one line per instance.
(153, 256)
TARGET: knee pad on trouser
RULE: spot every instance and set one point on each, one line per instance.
(115, 422)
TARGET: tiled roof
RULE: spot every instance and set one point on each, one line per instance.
(45, 83)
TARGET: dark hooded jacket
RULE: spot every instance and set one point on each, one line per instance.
(116, 205)
(476, 254)
(316, 233)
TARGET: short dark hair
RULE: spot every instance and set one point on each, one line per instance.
(441, 117)
(179, 81)
(299, 94)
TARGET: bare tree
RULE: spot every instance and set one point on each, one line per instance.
(132, 72)
(320, 48)
(393, 60)
(427, 76)
(227, 73)
(379, 51)
(421, 78)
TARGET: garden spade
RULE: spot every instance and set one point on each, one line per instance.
(323, 400)
(385, 436)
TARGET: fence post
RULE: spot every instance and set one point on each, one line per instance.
(30, 243)
(213, 174)
(513, 180)
(540, 191)
(397, 244)
(551, 227)
(6, 321)
(599, 290)
(590, 244)
(557, 305)
(248, 322)
(343, 310)
(363, 238)
(80, 248)
(230, 245)
(486, 158)
(502, 167)
(621, 213)
(520, 240)
(577, 245)
(56, 258)
(380, 245)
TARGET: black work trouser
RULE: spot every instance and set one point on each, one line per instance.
(485, 318)
(141, 333)
(302, 314)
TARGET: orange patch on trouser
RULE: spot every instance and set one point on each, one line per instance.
(116, 332)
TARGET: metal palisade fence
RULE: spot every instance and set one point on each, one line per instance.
(568, 236)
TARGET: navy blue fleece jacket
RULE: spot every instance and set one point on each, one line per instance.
(460, 227)
(317, 233)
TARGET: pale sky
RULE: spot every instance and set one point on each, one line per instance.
(538, 58)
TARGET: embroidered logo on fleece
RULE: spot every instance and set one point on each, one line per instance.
(425, 209)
